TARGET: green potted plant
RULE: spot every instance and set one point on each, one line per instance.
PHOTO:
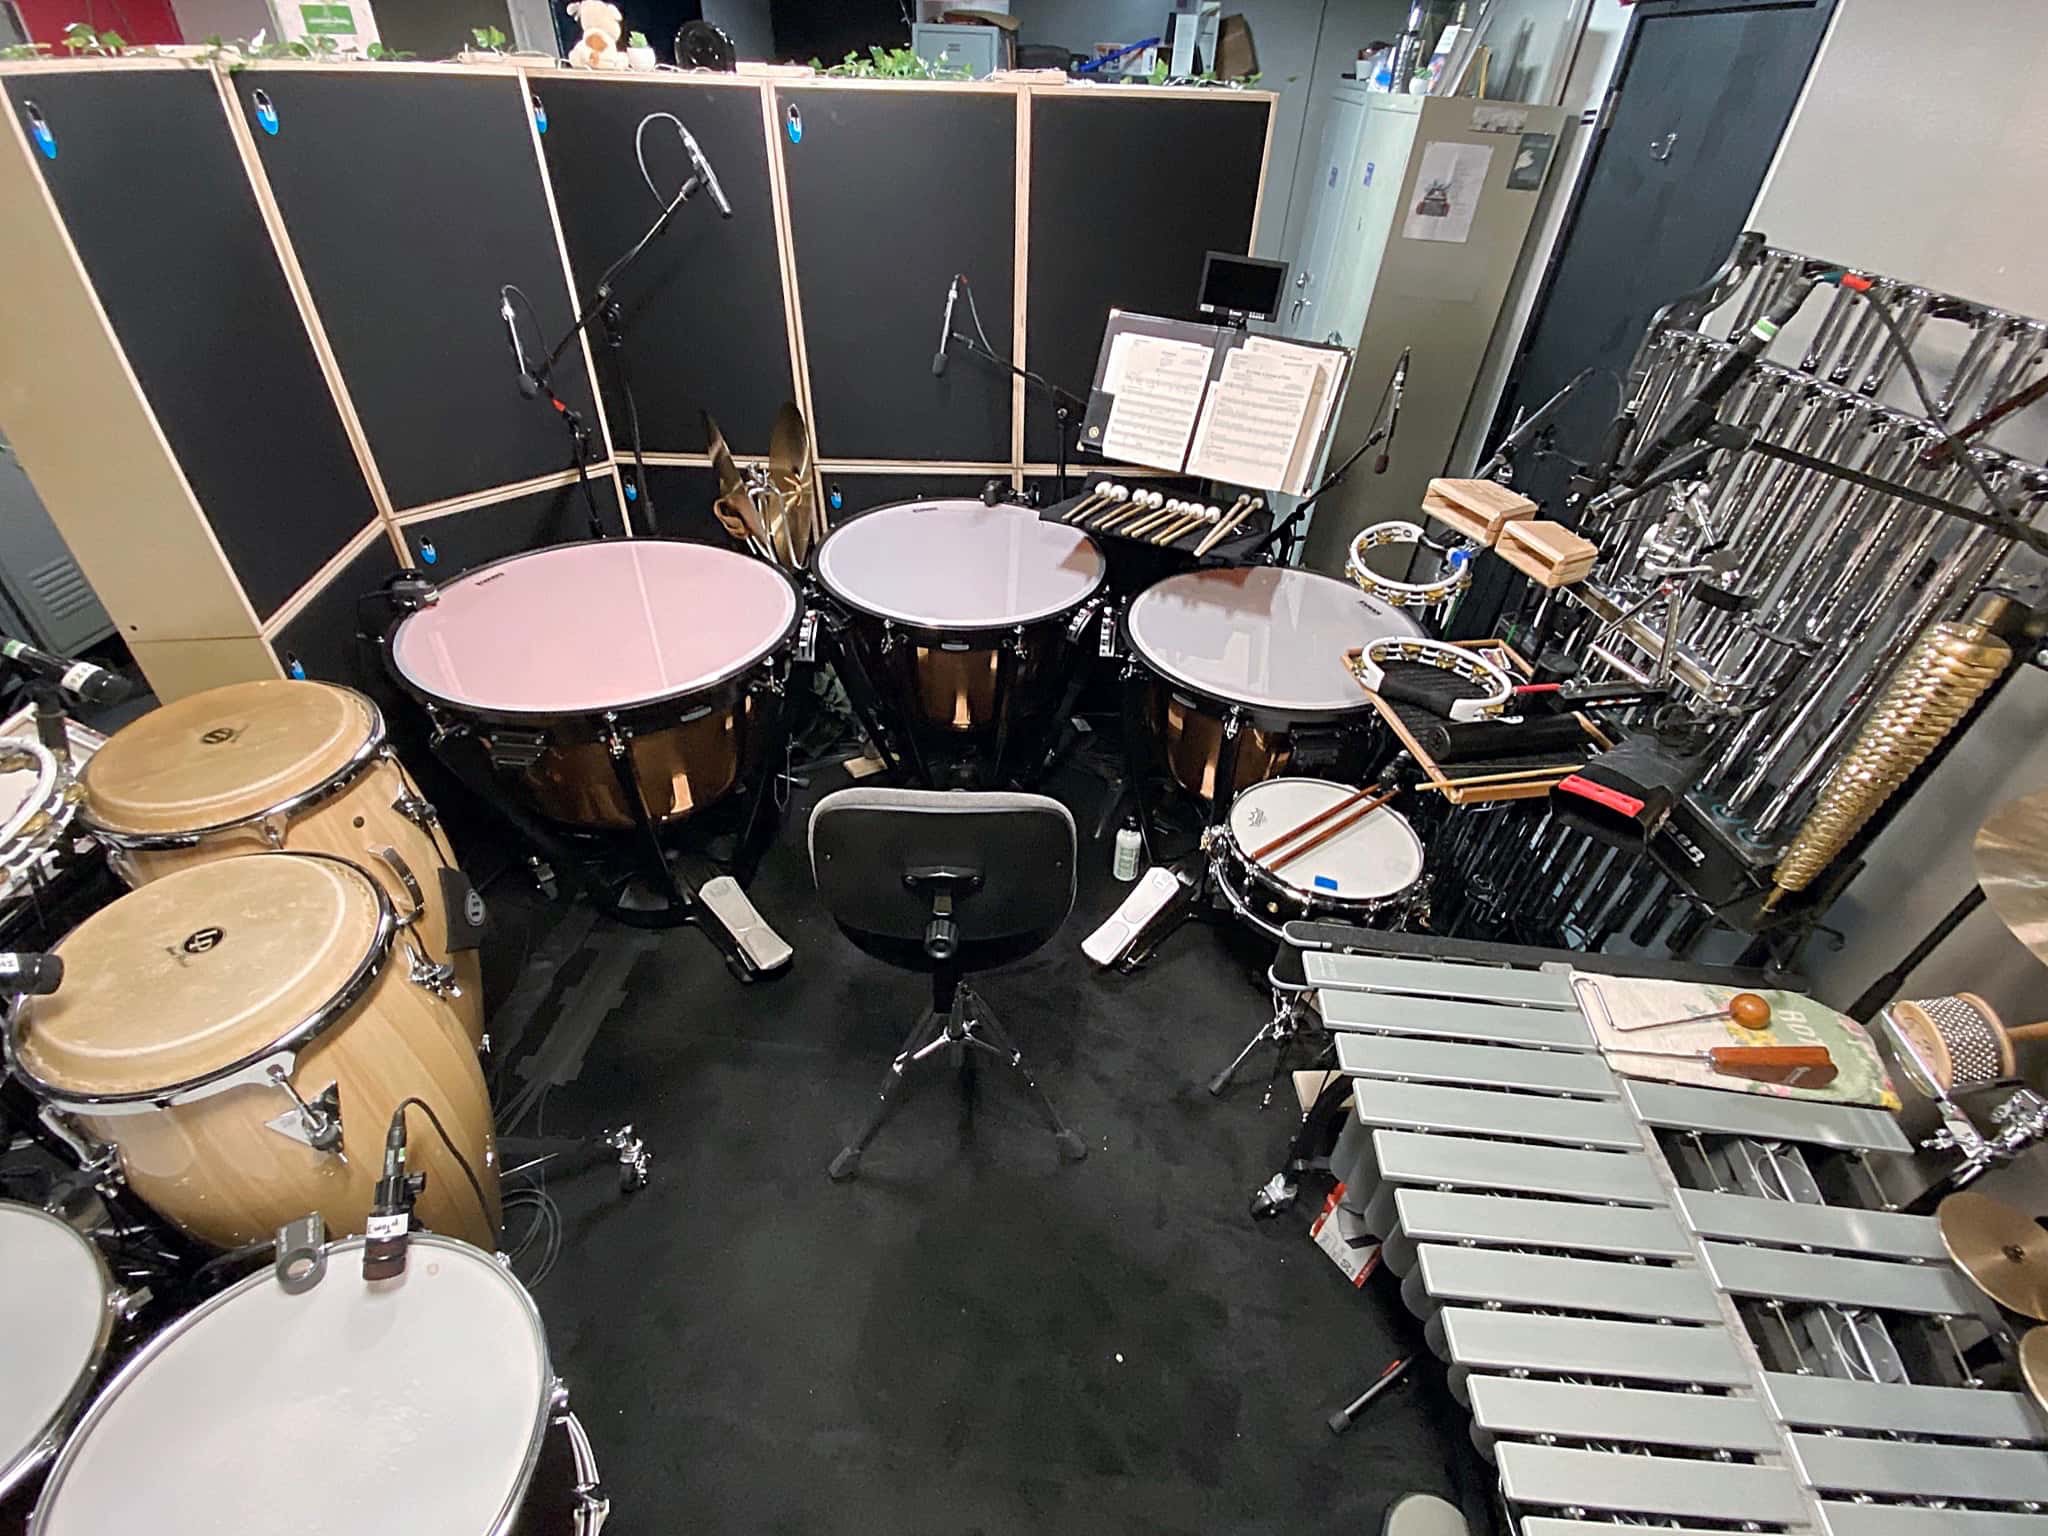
(639, 52)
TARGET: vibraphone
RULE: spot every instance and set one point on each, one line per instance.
(1666, 1304)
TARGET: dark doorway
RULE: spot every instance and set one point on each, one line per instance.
(1700, 99)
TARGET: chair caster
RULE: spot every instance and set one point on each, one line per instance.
(1273, 1197)
(1072, 1148)
(845, 1165)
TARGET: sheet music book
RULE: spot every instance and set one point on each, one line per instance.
(1213, 401)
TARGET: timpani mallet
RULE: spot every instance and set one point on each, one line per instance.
(1228, 526)
(1141, 502)
(1095, 499)
(1197, 516)
(1147, 525)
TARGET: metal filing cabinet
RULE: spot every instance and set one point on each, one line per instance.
(44, 596)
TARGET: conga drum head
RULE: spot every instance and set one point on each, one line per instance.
(226, 755)
(584, 628)
(1270, 638)
(207, 969)
(959, 565)
(351, 1409)
(59, 1322)
(1369, 861)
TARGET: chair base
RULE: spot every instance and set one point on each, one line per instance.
(965, 1025)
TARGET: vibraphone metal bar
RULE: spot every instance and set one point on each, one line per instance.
(1667, 1304)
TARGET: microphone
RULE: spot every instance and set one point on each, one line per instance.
(387, 1231)
(704, 173)
(30, 975)
(95, 685)
(528, 386)
(946, 328)
(1394, 388)
(1693, 418)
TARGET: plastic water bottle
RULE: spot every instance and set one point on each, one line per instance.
(1128, 845)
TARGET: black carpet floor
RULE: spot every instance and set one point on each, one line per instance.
(971, 1337)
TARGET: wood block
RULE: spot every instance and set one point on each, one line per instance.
(1539, 570)
(1458, 520)
(1552, 542)
(1487, 499)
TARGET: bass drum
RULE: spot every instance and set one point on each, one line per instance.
(1368, 873)
(299, 766)
(219, 1026)
(1254, 656)
(956, 614)
(614, 668)
(62, 1309)
(349, 1408)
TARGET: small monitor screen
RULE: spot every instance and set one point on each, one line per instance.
(1242, 285)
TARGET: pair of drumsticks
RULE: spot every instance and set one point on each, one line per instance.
(1372, 796)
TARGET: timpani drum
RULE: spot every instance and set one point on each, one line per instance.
(298, 766)
(603, 672)
(1369, 872)
(236, 1034)
(958, 615)
(62, 1307)
(1255, 653)
(347, 1408)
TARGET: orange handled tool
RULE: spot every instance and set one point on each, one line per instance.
(1745, 1009)
(1796, 1066)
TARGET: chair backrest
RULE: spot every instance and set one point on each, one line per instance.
(865, 840)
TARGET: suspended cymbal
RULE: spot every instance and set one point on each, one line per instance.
(2011, 855)
(2034, 1363)
(2001, 1248)
(789, 471)
(729, 478)
(734, 506)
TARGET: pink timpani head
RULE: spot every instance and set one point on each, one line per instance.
(588, 627)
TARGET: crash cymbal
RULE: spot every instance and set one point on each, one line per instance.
(2011, 854)
(2034, 1363)
(789, 471)
(2001, 1248)
(730, 481)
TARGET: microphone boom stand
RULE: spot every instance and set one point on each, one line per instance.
(1066, 406)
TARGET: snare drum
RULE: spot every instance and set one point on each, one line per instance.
(300, 766)
(424, 1403)
(958, 615)
(1257, 652)
(237, 1033)
(1370, 873)
(659, 652)
(62, 1307)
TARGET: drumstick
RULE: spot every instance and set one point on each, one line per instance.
(1504, 778)
(1228, 526)
(1100, 495)
(1314, 821)
(1333, 829)
(1169, 512)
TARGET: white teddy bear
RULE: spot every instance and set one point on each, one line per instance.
(602, 24)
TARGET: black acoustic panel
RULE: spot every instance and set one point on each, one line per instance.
(705, 327)
(858, 493)
(448, 546)
(320, 642)
(411, 197)
(152, 190)
(891, 193)
(1127, 195)
(682, 504)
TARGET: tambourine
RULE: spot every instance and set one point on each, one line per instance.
(1405, 594)
(1371, 671)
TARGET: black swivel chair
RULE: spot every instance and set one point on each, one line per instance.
(946, 881)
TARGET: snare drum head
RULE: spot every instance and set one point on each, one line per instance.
(582, 628)
(226, 754)
(959, 565)
(200, 970)
(1268, 637)
(1369, 860)
(354, 1408)
(57, 1326)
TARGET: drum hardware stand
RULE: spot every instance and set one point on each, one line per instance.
(1292, 1020)
(901, 759)
(1067, 407)
(564, 1154)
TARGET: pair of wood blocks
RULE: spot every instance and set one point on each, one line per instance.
(1488, 513)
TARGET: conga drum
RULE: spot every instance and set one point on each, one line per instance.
(341, 1407)
(1254, 656)
(957, 616)
(235, 1031)
(299, 766)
